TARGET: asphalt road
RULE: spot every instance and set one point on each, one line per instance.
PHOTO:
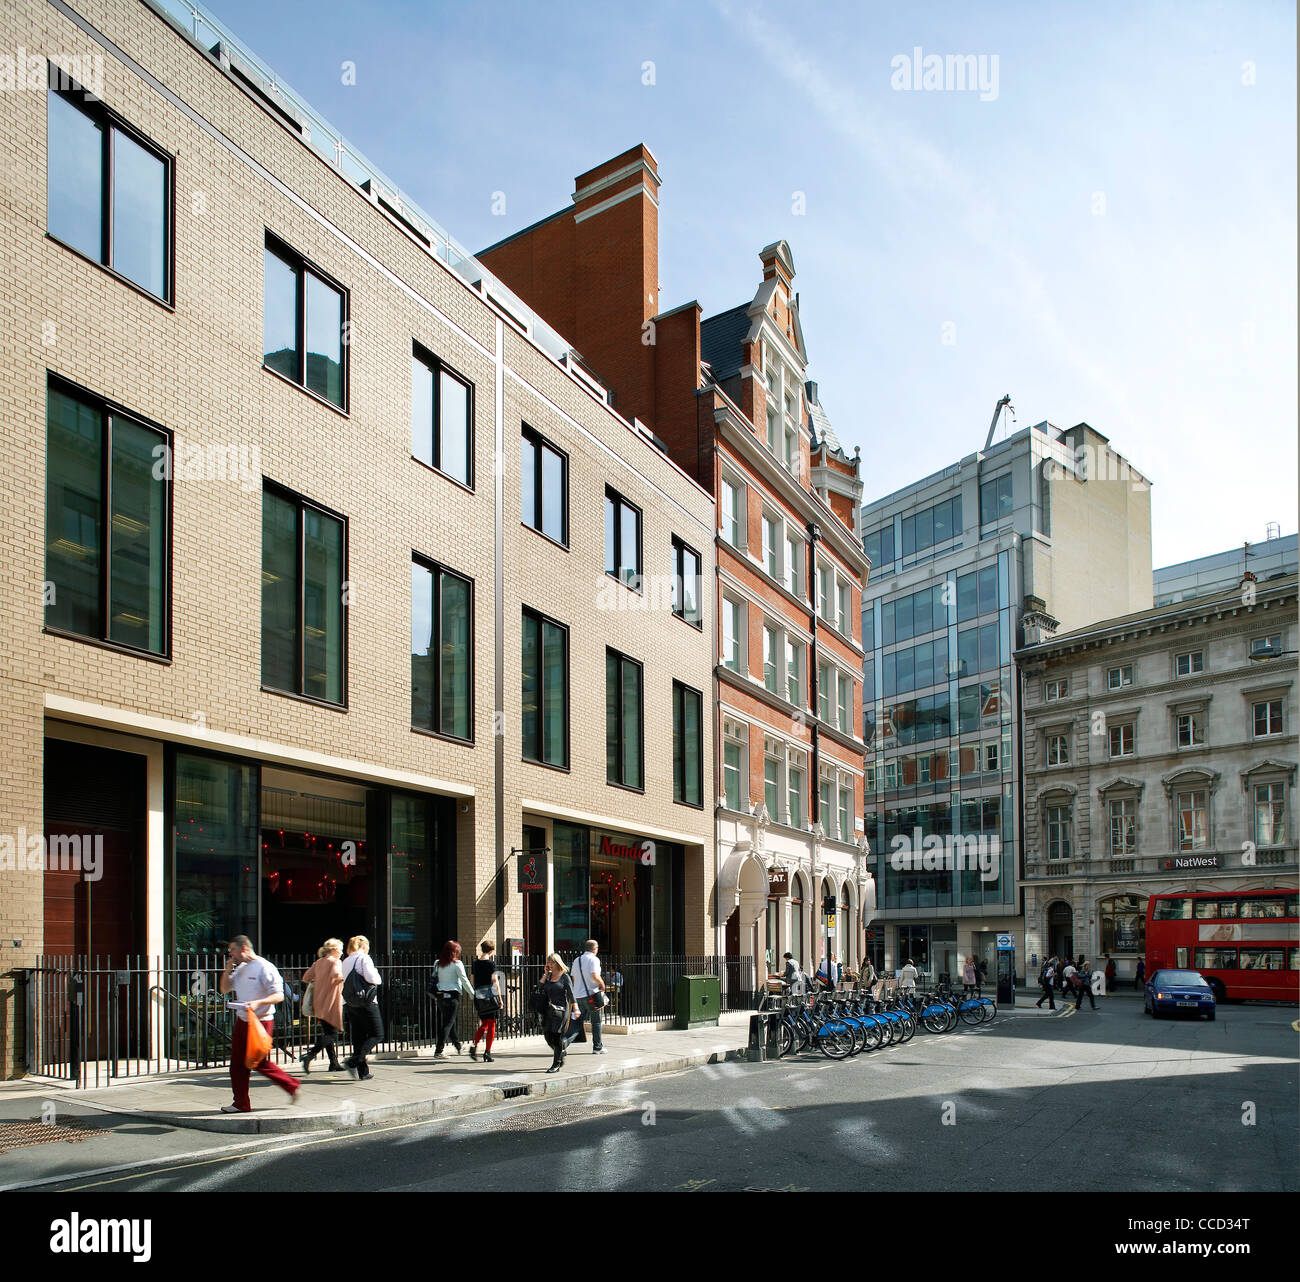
(1107, 1100)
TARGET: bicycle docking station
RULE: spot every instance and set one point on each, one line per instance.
(765, 1029)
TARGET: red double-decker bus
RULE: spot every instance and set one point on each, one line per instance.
(1243, 942)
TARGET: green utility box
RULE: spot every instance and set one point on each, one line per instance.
(699, 1000)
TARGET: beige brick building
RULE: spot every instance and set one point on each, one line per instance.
(217, 546)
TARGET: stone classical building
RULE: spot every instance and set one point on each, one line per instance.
(1160, 755)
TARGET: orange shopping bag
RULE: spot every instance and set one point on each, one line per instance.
(258, 1045)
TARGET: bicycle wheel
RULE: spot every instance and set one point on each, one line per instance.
(990, 1010)
(837, 1045)
(972, 1013)
(876, 1032)
(908, 1028)
(787, 1038)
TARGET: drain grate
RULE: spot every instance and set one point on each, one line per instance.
(29, 1134)
(561, 1115)
(513, 1092)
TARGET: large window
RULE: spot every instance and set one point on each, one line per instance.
(687, 745)
(772, 539)
(1058, 832)
(1123, 826)
(795, 790)
(442, 417)
(914, 615)
(304, 553)
(304, 323)
(1267, 718)
(794, 660)
(879, 547)
(735, 766)
(732, 512)
(544, 481)
(1190, 728)
(545, 705)
(1120, 739)
(1193, 830)
(771, 650)
(1123, 921)
(441, 650)
(995, 499)
(794, 555)
(935, 525)
(686, 583)
(622, 540)
(109, 191)
(772, 786)
(977, 593)
(107, 514)
(733, 634)
(623, 720)
(1270, 814)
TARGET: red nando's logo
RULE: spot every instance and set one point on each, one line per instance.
(642, 851)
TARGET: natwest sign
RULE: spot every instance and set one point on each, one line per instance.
(642, 851)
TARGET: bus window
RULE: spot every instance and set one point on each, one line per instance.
(1181, 955)
(1263, 958)
(1272, 908)
(1291, 958)
(1291, 904)
(1206, 909)
(1216, 959)
(1173, 910)
(1229, 908)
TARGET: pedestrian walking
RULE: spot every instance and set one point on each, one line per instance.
(1139, 978)
(449, 982)
(792, 978)
(907, 977)
(258, 989)
(969, 977)
(1084, 980)
(981, 974)
(487, 1000)
(867, 977)
(554, 1002)
(1045, 978)
(325, 978)
(590, 991)
(1111, 974)
(361, 983)
(1069, 977)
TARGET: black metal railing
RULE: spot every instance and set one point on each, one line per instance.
(97, 1020)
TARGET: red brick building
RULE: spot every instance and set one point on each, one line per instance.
(727, 398)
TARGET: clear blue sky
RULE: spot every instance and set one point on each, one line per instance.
(1112, 238)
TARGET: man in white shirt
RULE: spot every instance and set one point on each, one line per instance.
(907, 977)
(588, 987)
(258, 986)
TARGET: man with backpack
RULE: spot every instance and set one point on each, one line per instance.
(1045, 977)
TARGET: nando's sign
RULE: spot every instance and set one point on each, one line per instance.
(643, 852)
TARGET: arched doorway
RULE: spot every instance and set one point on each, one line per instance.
(1060, 929)
(744, 880)
(846, 937)
(798, 929)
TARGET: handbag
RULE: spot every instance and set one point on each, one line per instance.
(308, 994)
(257, 1045)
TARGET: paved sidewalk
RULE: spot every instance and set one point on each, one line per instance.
(404, 1087)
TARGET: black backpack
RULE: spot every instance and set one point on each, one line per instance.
(356, 992)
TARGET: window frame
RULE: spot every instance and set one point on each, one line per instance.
(1063, 825)
(1192, 668)
(1181, 842)
(740, 511)
(1121, 726)
(1127, 819)
(1267, 705)
(302, 502)
(437, 569)
(108, 410)
(1195, 720)
(620, 504)
(82, 100)
(1057, 688)
(1268, 785)
(1119, 672)
(542, 621)
(622, 658)
(1058, 749)
(302, 267)
(680, 691)
(681, 549)
(437, 367)
(541, 444)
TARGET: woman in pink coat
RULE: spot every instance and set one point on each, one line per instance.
(326, 978)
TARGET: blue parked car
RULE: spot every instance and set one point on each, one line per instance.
(1178, 990)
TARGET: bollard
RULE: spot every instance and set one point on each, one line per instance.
(75, 986)
(772, 1049)
(756, 1039)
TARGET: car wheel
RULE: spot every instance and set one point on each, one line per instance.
(1219, 992)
